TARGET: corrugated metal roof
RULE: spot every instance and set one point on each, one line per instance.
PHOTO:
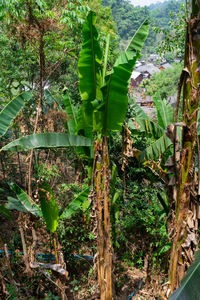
(150, 68)
(135, 74)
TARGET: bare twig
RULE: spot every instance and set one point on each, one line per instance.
(31, 155)
(10, 270)
(28, 270)
(56, 65)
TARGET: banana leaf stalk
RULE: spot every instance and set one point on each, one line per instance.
(182, 248)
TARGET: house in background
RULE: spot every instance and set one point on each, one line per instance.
(165, 66)
(142, 72)
(148, 69)
(136, 79)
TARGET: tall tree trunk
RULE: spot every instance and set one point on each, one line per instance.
(102, 202)
(185, 219)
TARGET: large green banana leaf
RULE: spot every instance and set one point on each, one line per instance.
(25, 200)
(49, 206)
(11, 110)
(89, 70)
(164, 112)
(79, 202)
(156, 148)
(141, 123)
(47, 140)
(111, 113)
(190, 285)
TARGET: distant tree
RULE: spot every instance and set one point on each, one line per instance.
(165, 82)
(173, 36)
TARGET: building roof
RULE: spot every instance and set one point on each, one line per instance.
(135, 75)
(166, 65)
(150, 68)
(138, 64)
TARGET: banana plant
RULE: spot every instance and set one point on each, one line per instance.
(184, 200)
(34, 141)
(105, 101)
(189, 288)
(155, 129)
(48, 209)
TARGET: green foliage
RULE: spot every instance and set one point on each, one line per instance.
(141, 123)
(49, 206)
(46, 172)
(89, 74)
(190, 283)
(25, 200)
(15, 204)
(5, 212)
(110, 113)
(79, 202)
(164, 111)
(173, 36)
(47, 140)
(165, 82)
(142, 215)
(156, 148)
(128, 17)
(19, 43)
(115, 100)
(71, 118)
(11, 110)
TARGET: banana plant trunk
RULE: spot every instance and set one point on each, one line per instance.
(185, 217)
(102, 202)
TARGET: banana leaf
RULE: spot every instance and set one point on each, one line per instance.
(189, 289)
(141, 123)
(49, 206)
(146, 126)
(47, 140)
(51, 99)
(71, 119)
(164, 112)
(89, 70)
(11, 110)
(111, 113)
(5, 212)
(25, 200)
(156, 149)
(72, 125)
(79, 202)
(137, 110)
(15, 204)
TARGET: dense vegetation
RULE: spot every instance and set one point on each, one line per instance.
(98, 200)
(128, 18)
